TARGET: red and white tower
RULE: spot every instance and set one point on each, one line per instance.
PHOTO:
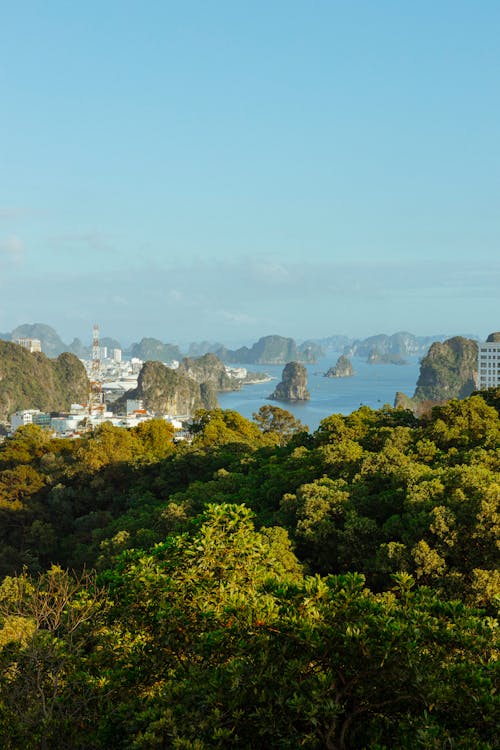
(95, 405)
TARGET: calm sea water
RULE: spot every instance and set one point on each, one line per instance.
(372, 385)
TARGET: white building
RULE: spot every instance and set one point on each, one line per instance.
(488, 368)
(29, 416)
(32, 345)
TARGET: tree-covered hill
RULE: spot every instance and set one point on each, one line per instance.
(33, 381)
(259, 587)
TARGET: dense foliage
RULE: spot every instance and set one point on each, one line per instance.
(258, 587)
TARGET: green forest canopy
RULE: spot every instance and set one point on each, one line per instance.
(261, 586)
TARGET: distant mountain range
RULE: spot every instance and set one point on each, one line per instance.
(273, 349)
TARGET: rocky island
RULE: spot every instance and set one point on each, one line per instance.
(168, 391)
(155, 350)
(272, 350)
(378, 358)
(402, 343)
(342, 369)
(293, 385)
(449, 370)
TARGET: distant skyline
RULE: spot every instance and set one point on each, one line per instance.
(225, 170)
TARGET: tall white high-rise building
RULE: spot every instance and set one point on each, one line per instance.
(488, 366)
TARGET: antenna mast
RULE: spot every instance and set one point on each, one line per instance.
(95, 392)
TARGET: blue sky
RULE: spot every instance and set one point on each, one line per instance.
(226, 170)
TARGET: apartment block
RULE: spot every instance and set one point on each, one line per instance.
(489, 363)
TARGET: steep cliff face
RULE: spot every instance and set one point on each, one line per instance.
(293, 386)
(33, 381)
(271, 350)
(448, 371)
(170, 392)
(209, 369)
(342, 369)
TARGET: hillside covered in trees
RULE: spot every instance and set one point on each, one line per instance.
(32, 380)
(259, 587)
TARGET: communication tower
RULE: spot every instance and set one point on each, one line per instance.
(95, 405)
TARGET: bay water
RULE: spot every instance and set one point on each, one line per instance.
(372, 385)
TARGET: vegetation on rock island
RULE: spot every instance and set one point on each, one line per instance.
(258, 587)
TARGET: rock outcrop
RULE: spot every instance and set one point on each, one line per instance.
(167, 391)
(342, 369)
(293, 385)
(155, 350)
(33, 381)
(209, 369)
(401, 344)
(376, 358)
(271, 350)
(449, 370)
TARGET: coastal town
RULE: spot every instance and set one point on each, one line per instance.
(111, 377)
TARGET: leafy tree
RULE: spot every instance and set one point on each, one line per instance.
(244, 651)
(109, 445)
(156, 436)
(48, 688)
(279, 423)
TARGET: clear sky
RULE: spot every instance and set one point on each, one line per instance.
(224, 170)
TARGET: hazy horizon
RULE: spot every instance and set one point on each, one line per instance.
(126, 342)
(223, 171)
